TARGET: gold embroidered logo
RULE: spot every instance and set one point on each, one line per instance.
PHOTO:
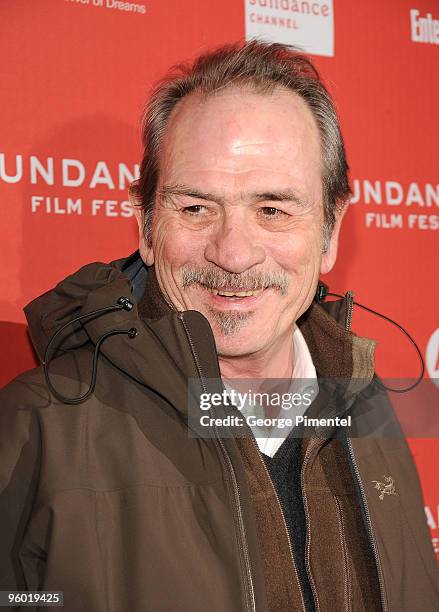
(385, 488)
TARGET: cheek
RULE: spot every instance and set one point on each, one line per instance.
(295, 252)
(173, 247)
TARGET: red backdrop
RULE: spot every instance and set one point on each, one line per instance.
(75, 75)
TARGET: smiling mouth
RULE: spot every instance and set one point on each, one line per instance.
(238, 294)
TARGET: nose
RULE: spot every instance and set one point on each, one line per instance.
(233, 245)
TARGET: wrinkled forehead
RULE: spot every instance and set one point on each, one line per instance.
(240, 130)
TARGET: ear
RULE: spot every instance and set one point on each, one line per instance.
(329, 258)
(145, 249)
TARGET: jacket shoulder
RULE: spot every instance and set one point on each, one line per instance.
(26, 390)
(70, 372)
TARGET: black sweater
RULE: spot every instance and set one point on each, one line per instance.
(285, 471)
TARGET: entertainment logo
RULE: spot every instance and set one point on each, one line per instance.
(424, 29)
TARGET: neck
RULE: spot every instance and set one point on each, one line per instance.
(274, 362)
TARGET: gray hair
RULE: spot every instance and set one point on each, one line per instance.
(263, 67)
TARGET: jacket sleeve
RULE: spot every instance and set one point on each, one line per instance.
(19, 472)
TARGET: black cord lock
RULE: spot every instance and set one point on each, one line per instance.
(132, 333)
(125, 303)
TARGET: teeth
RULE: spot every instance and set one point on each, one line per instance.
(233, 293)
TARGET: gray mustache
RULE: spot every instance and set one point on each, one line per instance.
(214, 278)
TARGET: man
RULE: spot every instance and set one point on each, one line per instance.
(107, 492)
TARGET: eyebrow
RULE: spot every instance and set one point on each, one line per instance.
(184, 190)
(280, 196)
(284, 195)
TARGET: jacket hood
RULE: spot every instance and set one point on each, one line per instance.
(81, 292)
(336, 351)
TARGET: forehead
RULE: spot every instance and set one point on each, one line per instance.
(241, 135)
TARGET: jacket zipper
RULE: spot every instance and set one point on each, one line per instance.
(347, 580)
(252, 438)
(369, 527)
(305, 506)
(350, 306)
(243, 548)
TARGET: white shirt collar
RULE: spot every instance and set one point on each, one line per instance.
(305, 377)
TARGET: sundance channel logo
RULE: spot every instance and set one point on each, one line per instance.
(308, 25)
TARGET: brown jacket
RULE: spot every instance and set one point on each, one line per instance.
(112, 502)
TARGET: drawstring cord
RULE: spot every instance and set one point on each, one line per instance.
(123, 303)
(322, 292)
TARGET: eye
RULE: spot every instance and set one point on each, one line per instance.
(271, 211)
(195, 209)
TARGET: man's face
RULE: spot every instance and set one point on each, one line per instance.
(237, 230)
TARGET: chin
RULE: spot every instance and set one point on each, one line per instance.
(234, 344)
